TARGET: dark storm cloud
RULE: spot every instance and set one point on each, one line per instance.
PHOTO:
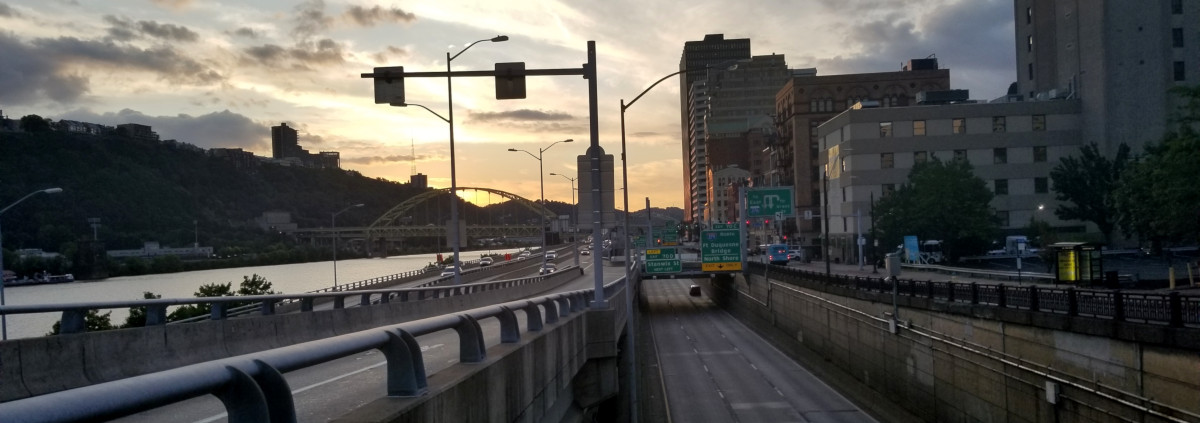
(520, 115)
(163, 60)
(123, 29)
(382, 159)
(376, 15)
(310, 19)
(8, 12)
(27, 74)
(222, 129)
(325, 51)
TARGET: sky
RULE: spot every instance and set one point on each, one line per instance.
(219, 74)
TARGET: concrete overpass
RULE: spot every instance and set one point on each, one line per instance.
(958, 352)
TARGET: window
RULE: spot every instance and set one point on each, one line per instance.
(1039, 154)
(960, 155)
(1176, 37)
(1029, 14)
(886, 161)
(999, 155)
(1179, 71)
(920, 157)
(1001, 187)
(843, 162)
(1041, 185)
(1002, 218)
(918, 127)
(1177, 7)
(998, 124)
(888, 189)
(1039, 122)
(1029, 44)
(960, 125)
(885, 129)
(1030, 70)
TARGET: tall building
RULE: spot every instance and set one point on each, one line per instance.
(741, 98)
(284, 142)
(712, 50)
(806, 101)
(1119, 58)
(419, 180)
(723, 202)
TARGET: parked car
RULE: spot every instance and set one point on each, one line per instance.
(486, 261)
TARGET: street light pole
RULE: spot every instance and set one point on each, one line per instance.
(4, 318)
(574, 231)
(453, 179)
(333, 225)
(542, 187)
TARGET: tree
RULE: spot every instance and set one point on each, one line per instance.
(1156, 198)
(93, 320)
(34, 123)
(255, 285)
(206, 290)
(941, 201)
(137, 315)
(1088, 183)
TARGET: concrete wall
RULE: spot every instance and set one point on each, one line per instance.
(952, 366)
(35, 366)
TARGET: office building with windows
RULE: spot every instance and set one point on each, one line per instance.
(870, 151)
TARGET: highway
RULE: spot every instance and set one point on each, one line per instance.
(714, 369)
(330, 390)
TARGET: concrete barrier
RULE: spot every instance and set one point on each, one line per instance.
(54, 363)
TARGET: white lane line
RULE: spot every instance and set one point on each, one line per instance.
(299, 390)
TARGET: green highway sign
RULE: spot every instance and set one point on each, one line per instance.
(720, 250)
(724, 226)
(663, 260)
(667, 237)
(770, 202)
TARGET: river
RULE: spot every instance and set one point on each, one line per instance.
(284, 278)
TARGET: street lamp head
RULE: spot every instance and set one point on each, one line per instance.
(553, 174)
(500, 38)
(513, 149)
(569, 140)
(52, 190)
(358, 205)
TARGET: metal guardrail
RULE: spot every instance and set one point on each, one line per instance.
(73, 314)
(1170, 309)
(252, 386)
(990, 274)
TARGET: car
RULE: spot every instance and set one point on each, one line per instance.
(449, 271)
(550, 255)
(694, 290)
(486, 261)
(585, 253)
(777, 254)
(548, 269)
(795, 254)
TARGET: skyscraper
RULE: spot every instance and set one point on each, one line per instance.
(713, 49)
(1120, 58)
(284, 141)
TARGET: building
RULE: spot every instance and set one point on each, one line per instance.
(1119, 58)
(1011, 146)
(723, 203)
(419, 180)
(712, 50)
(83, 127)
(284, 142)
(740, 98)
(152, 249)
(241, 159)
(807, 100)
(137, 132)
(607, 201)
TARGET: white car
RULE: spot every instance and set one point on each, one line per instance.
(486, 261)
(550, 255)
(548, 269)
(449, 271)
(585, 253)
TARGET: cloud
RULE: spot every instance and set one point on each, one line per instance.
(310, 19)
(26, 74)
(382, 159)
(390, 52)
(521, 115)
(246, 32)
(303, 54)
(8, 12)
(222, 129)
(172, 4)
(376, 15)
(163, 60)
(123, 29)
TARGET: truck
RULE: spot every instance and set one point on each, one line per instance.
(1012, 244)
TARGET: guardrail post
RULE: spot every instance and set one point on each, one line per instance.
(1176, 304)
(405, 365)
(533, 314)
(471, 348)
(1001, 296)
(385, 298)
(339, 302)
(220, 311)
(1072, 302)
(1118, 299)
(1033, 298)
(156, 315)
(551, 311)
(564, 306)
(243, 399)
(364, 300)
(306, 304)
(73, 321)
(974, 293)
(510, 328)
(267, 308)
(280, 404)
